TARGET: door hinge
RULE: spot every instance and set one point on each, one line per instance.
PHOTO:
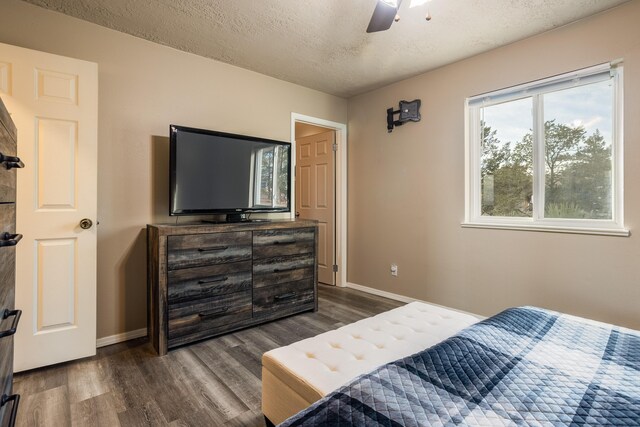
(335, 147)
(335, 268)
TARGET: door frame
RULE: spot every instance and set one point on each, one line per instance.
(341, 186)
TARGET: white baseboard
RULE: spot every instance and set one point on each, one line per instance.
(390, 295)
(125, 336)
(403, 298)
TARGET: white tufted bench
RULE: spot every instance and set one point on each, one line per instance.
(297, 375)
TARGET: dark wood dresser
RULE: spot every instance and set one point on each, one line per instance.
(209, 279)
(9, 316)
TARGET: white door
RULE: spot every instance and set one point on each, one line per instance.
(315, 195)
(53, 101)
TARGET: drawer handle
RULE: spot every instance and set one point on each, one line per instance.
(285, 297)
(15, 398)
(217, 279)
(212, 313)
(11, 161)
(284, 242)
(282, 270)
(213, 248)
(7, 239)
(5, 315)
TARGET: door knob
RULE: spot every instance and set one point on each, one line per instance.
(297, 214)
(86, 224)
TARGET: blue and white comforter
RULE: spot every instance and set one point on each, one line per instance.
(524, 366)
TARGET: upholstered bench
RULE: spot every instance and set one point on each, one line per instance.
(297, 375)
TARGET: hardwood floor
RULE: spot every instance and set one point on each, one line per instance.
(214, 382)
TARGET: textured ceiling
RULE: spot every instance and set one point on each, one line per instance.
(322, 44)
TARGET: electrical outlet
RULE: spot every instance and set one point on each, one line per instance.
(394, 270)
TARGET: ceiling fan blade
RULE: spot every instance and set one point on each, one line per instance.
(383, 16)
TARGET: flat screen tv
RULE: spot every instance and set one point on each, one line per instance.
(221, 173)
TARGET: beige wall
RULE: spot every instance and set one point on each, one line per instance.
(143, 87)
(406, 189)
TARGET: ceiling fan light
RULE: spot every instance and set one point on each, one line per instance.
(416, 3)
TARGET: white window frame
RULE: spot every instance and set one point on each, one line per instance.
(473, 106)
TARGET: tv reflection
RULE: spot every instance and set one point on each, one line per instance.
(270, 174)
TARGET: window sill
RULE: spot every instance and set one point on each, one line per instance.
(619, 232)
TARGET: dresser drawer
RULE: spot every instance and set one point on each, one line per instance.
(7, 256)
(6, 365)
(210, 280)
(292, 295)
(285, 276)
(203, 249)
(201, 319)
(273, 243)
(273, 271)
(7, 176)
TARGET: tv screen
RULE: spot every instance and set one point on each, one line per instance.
(215, 172)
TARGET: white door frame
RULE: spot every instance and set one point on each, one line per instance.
(341, 186)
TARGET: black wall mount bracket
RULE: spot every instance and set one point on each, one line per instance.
(409, 111)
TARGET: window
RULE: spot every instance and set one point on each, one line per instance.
(547, 155)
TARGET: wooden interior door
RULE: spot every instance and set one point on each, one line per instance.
(315, 195)
(53, 101)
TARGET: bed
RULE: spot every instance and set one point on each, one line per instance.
(524, 366)
(297, 375)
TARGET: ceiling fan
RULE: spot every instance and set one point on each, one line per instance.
(383, 16)
(386, 12)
